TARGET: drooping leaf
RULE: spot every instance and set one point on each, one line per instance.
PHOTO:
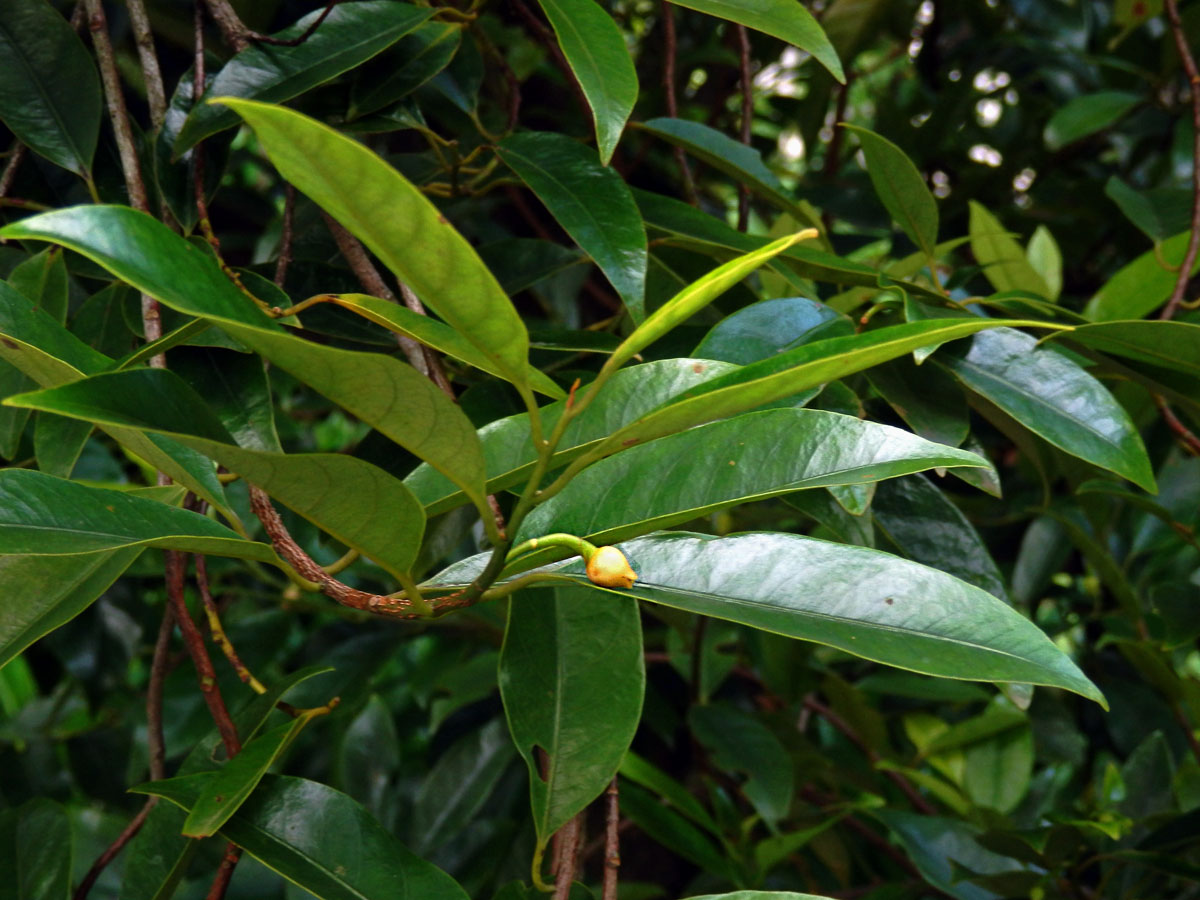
(591, 202)
(1004, 261)
(1141, 286)
(49, 88)
(349, 35)
(763, 329)
(837, 595)
(356, 502)
(572, 679)
(901, 188)
(1085, 115)
(1159, 213)
(319, 839)
(1055, 398)
(790, 22)
(596, 52)
(394, 219)
(1163, 344)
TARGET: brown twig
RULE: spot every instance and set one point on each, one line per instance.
(670, 51)
(432, 363)
(155, 743)
(833, 152)
(156, 95)
(1185, 435)
(286, 235)
(303, 36)
(568, 858)
(224, 872)
(194, 642)
(1189, 66)
(612, 841)
(235, 33)
(15, 155)
(220, 638)
(743, 39)
(111, 851)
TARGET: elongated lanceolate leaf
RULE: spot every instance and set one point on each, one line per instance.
(868, 603)
(1003, 259)
(356, 502)
(572, 679)
(1087, 114)
(591, 202)
(901, 188)
(748, 457)
(49, 89)
(771, 326)
(36, 850)
(1162, 344)
(320, 840)
(1053, 397)
(785, 20)
(596, 52)
(41, 515)
(393, 397)
(393, 218)
(349, 35)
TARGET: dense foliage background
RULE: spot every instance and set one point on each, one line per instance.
(964, 165)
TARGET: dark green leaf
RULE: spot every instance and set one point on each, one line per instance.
(1170, 345)
(763, 329)
(1085, 115)
(739, 742)
(36, 851)
(1142, 285)
(43, 279)
(901, 188)
(57, 443)
(1158, 213)
(415, 59)
(930, 403)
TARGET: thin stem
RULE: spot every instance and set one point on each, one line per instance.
(564, 874)
(346, 560)
(110, 852)
(1189, 66)
(224, 872)
(16, 154)
(155, 742)
(669, 53)
(612, 841)
(156, 96)
(304, 36)
(285, 237)
(1186, 437)
(743, 39)
(220, 638)
(236, 34)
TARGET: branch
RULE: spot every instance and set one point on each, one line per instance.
(224, 872)
(743, 39)
(16, 154)
(1189, 66)
(612, 841)
(220, 638)
(155, 743)
(110, 853)
(669, 53)
(568, 857)
(156, 96)
(285, 237)
(235, 33)
(1185, 435)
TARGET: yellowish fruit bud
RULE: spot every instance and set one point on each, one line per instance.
(608, 567)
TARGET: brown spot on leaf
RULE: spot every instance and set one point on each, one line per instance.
(698, 368)
(889, 601)
(442, 220)
(11, 345)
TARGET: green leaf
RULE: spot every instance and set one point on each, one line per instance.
(698, 295)
(768, 327)
(901, 188)
(1053, 397)
(36, 850)
(43, 279)
(739, 742)
(1141, 286)
(508, 448)
(749, 457)
(1045, 257)
(396, 74)
(435, 334)
(998, 771)
(1159, 213)
(393, 218)
(1004, 262)
(54, 589)
(662, 824)
(12, 421)
(58, 442)
(320, 840)
(838, 595)
(923, 525)
(644, 773)
(572, 680)
(45, 516)
(1167, 345)
(49, 89)
(387, 394)
(931, 404)
(1085, 115)
(351, 34)
(760, 895)
(356, 502)
(595, 50)
(591, 202)
(224, 794)
(790, 22)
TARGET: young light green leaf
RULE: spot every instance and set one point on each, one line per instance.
(1141, 286)
(393, 218)
(790, 22)
(349, 35)
(596, 52)
(591, 202)
(865, 602)
(1055, 398)
(49, 89)
(572, 680)
(901, 188)
(1045, 257)
(1003, 260)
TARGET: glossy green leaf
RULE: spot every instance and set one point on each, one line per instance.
(387, 394)
(49, 89)
(1159, 213)
(595, 50)
(45, 516)
(1053, 397)
(739, 742)
(749, 457)
(36, 850)
(901, 188)
(822, 508)
(12, 421)
(415, 59)
(43, 279)
(1141, 286)
(924, 526)
(320, 840)
(351, 34)
(356, 502)
(1167, 345)
(865, 602)
(790, 22)
(931, 404)
(394, 219)
(1087, 114)
(591, 202)
(435, 334)
(54, 589)
(572, 680)
(786, 374)
(698, 295)
(998, 771)
(763, 329)
(1004, 261)
(508, 449)
(224, 794)
(57, 443)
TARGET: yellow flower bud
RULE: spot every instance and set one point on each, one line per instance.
(608, 567)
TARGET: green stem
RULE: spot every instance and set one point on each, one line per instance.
(557, 539)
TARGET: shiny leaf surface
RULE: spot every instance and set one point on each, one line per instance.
(771, 326)
(901, 188)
